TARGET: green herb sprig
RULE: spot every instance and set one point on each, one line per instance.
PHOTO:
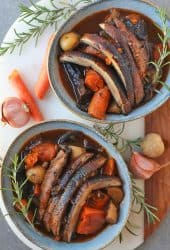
(38, 19)
(164, 52)
(17, 189)
(113, 133)
(139, 200)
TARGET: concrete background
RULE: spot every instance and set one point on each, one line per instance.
(8, 241)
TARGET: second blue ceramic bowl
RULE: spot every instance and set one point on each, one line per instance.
(36, 240)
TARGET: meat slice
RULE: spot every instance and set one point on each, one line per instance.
(73, 168)
(117, 37)
(47, 216)
(136, 25)
(59, 188)
(92, 51)
(80, 200)
(77, 180)
(118, 62)
(51, 176)
(138, 49)
(76, 78)
(110, 78)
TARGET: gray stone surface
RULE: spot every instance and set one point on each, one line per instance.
(8, 241)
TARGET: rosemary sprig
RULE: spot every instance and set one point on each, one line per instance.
(164, 53)
(38, 19)
(139, 199)
(17, 189)
(114, 135)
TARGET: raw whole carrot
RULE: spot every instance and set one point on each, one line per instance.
(109, 168)
(93, 80)
(99, 103)
(91, 221)
(43, 84)
(24, 94)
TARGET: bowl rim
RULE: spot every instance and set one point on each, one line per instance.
(158, 100)
(32, 242)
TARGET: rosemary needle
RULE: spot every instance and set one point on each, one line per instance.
(164, 53)
(114, 135)
(17, 189)
(38, 19)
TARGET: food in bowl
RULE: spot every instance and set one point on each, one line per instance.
(74, 183)
(104, 63)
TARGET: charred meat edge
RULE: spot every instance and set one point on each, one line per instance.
(77, 180)
(92, 51)
(139, 28)
(105, 71)
(62, 184)
(80, 199)
(118, 62)
(137, 47)
(47, 216)
(76, 78)
(116, 35)
(51, 176)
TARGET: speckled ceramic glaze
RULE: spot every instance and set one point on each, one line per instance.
(40, 240)
(56, 82)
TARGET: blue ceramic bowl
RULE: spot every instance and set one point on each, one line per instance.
(36, 240)
(54, 75)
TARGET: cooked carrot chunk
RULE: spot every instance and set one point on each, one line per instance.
(31, 159)
(93, 80)
(91, 221)
(99, 103)
(109, 168)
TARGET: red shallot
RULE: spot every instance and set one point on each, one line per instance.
(143, 167)
(15, 112)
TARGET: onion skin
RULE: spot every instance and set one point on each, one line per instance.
(15, 112)
(143, 167)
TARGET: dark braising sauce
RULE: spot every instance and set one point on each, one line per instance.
(91, 25)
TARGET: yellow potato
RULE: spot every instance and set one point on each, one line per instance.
(69, 41)
(36, 174)
(77, 151)
(112, 214)
(116, 194)
(152, 145)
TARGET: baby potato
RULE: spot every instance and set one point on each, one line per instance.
(69, 41)
(77, 151)
(112, 214)
(116, 194)
(152, 145)
(36, 174)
